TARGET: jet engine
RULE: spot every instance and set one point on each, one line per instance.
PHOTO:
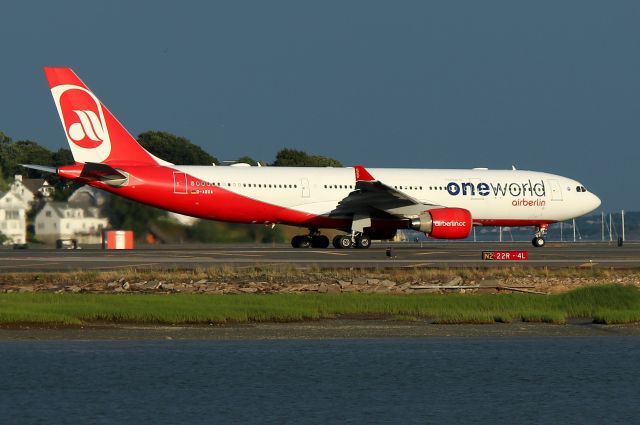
(444, 223)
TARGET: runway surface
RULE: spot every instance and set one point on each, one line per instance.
(448, 254)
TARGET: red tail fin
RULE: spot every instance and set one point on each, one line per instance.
(93, 133)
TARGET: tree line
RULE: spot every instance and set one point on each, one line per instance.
(125, 214)
(176, 149)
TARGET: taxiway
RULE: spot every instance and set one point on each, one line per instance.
(381, 255)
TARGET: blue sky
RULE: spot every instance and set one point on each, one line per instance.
(550, 85)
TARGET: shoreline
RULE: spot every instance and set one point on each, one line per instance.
(310, 330)
(283, 280)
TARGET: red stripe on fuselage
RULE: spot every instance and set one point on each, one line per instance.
(155, 186)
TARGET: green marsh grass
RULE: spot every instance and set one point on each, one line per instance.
(602, 304)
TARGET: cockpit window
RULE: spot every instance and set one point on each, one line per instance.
(581, 189)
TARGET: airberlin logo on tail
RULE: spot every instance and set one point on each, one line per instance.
(89, 127)
(84, 122)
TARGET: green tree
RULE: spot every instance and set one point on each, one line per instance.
(23, 152)
(247, 160)
(4, 139)
(3, 182)
(175, 149)
(131, 215)
(213, 231)
(295, 158)
(62, 157)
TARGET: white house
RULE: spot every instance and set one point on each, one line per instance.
(13, 218)
(30, 189)
(60, 220)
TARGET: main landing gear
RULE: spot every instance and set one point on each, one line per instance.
(316, 240)
(538, 240)
(352, 241)
(356, 239)
(313, 240)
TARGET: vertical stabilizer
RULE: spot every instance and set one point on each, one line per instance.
(93, 133)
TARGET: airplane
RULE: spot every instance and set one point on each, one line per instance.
(364, 203)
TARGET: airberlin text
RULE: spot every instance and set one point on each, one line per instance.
(525, 189)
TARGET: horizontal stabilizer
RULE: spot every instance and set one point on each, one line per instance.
(104, 173)
(44, 168)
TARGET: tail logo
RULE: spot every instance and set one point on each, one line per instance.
(88, 127)
(83, 120)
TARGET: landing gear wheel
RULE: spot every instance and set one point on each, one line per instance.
(344, 241)
(336, 242)
(363, 241)
(319, 241)
(301, 241)
(538, 242)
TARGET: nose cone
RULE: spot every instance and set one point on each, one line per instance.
(593, 202)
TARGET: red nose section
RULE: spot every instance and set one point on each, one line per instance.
(450, 223)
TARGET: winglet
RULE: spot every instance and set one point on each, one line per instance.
(362, 175)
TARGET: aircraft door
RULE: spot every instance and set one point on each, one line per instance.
(306, 191)
(556, 190)
(179, 182)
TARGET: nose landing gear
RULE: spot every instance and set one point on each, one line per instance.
(538, 240)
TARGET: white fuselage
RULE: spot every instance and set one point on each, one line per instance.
(490, 195)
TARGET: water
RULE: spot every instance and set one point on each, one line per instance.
(581, 380)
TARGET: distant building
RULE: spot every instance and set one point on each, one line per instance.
(88, 196)
(31, 189)
(61, 220)
(13, 218)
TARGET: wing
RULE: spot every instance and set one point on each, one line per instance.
(375, 199)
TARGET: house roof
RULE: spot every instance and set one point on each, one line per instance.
(16, 197)
(34, 184)
(87, 196)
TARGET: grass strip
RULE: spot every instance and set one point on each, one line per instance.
(603, 304)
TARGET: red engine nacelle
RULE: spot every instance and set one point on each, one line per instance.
(444, 223)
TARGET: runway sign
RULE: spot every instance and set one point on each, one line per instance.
(505, 255)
